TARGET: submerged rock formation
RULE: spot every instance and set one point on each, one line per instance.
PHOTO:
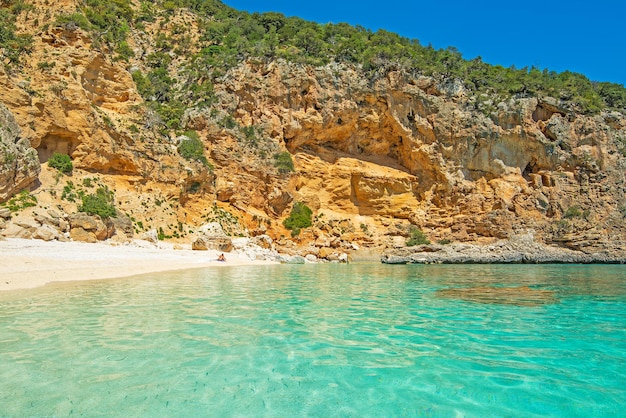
(519, 296)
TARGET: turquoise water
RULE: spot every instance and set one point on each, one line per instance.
(321, 340)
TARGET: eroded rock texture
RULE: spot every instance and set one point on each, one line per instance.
(374, 152)
(19, 165)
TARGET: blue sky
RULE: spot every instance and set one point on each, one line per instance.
(587, 37)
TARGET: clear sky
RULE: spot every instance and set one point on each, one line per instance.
(587, 37)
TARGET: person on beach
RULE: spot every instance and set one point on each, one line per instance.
(221, 257)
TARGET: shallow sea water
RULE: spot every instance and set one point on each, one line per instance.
(355, 340)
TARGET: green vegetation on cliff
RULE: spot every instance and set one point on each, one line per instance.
(101, 203)
(12, 45)
(228, 36)
(61, 162)
(191, 148)
(300, 217)
(283, 162)
(107, 21)
(20, 201)
(417, 237)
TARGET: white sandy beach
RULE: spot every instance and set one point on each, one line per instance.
(32, 263)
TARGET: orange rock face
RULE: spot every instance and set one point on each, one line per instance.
(373, 153)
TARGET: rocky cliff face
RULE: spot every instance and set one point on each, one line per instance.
(19, 165)
(374, 153)
(395, 149)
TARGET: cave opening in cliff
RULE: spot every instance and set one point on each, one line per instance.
(544, 112)
(531, 168)
(541, 114)
(54, 143)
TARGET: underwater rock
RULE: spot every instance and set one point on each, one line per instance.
(520, 296)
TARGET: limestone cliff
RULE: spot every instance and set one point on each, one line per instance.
(19, 165)
(400, 148)
(375, 152)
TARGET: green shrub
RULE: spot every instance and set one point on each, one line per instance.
(101, 203)
(107, 21)
(124, 51)
(417, 237)
(573, 212)
(250, 133)
(144, 87)
(19, 6)
(69, 192)
(562, 225)
(61, 162)
(22, 201)
(12, 46)
(283, 162)
(192, 149)
(45, 65)
(228, 122)
(73, 21)
(300, 217)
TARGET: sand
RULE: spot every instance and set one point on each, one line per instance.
(32, 263)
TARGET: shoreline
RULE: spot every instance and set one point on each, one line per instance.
(27, 263)
(31, 263)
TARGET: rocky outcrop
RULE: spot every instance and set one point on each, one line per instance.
(19, 165)
(518, 250)
(212, 237)
(89, 228)
(122, 227)
(399, 147)
(46, 233)
(205, 243)
(374, 153)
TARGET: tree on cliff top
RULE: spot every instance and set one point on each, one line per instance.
(227, 36)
